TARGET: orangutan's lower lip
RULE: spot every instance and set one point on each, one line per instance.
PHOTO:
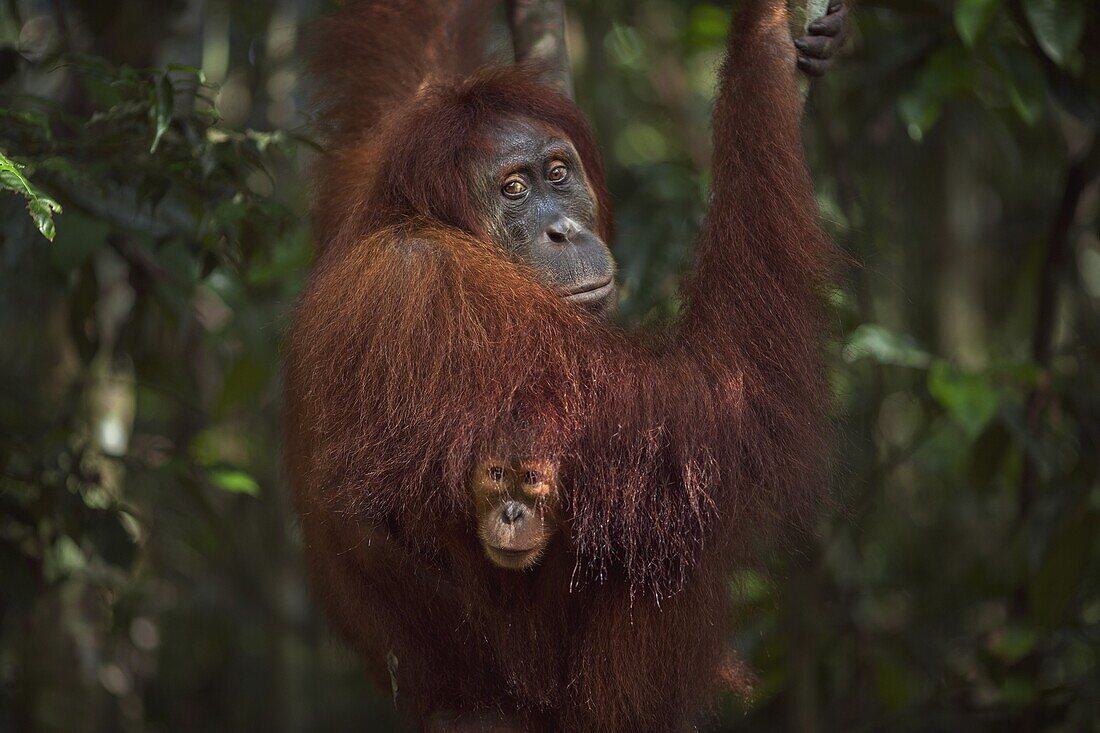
(592, 294)
(512, 553)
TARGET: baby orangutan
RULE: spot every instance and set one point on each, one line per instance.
(516, 504)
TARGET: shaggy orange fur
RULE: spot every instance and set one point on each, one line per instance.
(675, 449)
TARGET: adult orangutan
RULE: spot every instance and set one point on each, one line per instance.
(456, 312)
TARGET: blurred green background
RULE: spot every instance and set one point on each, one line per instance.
(150, 569)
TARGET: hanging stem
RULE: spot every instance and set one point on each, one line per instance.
(538, 36)
(1081, 173)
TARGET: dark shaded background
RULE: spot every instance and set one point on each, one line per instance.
(150, 569)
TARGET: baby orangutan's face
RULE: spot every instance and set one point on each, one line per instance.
(516, 503)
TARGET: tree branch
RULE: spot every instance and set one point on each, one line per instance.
(1081, 173)
(538, 36)
(801, 13)
(1078, 178)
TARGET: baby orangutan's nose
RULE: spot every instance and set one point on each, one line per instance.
(513, 512)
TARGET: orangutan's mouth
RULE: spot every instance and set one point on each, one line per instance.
(591, 293)
(512, 553)
(510, 559)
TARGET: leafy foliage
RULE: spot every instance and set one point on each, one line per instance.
(41, 207)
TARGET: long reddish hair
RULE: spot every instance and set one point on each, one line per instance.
(418, 347)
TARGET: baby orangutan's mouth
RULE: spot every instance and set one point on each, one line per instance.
(512, 558)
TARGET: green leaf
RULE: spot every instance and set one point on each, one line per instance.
(41, 207)
(194, 71)
(1059, 575)
(38, 121)
(264, 140)
(230, 212)
(243, 383)
(1019, 691)
(63, 559)
(1013, 643)
(947, 74)
(1025, 81)
(749, 586)
(892, 684)
(970, 398)
(1058, 25)
(163, 108)
(972, 17)
(235, 481)
(878, 343)
(708, 25)
(43, 216)
(920, 112)
(625, 47)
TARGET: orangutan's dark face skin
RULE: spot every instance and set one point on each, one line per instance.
(516, 505)
(542, 211)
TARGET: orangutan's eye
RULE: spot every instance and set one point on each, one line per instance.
(496, 473)
(514, 188)
(558, 171)
(531, 477)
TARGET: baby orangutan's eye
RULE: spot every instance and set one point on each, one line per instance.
(496, 473)
(531, 477)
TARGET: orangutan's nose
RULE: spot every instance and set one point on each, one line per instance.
(561, 230)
